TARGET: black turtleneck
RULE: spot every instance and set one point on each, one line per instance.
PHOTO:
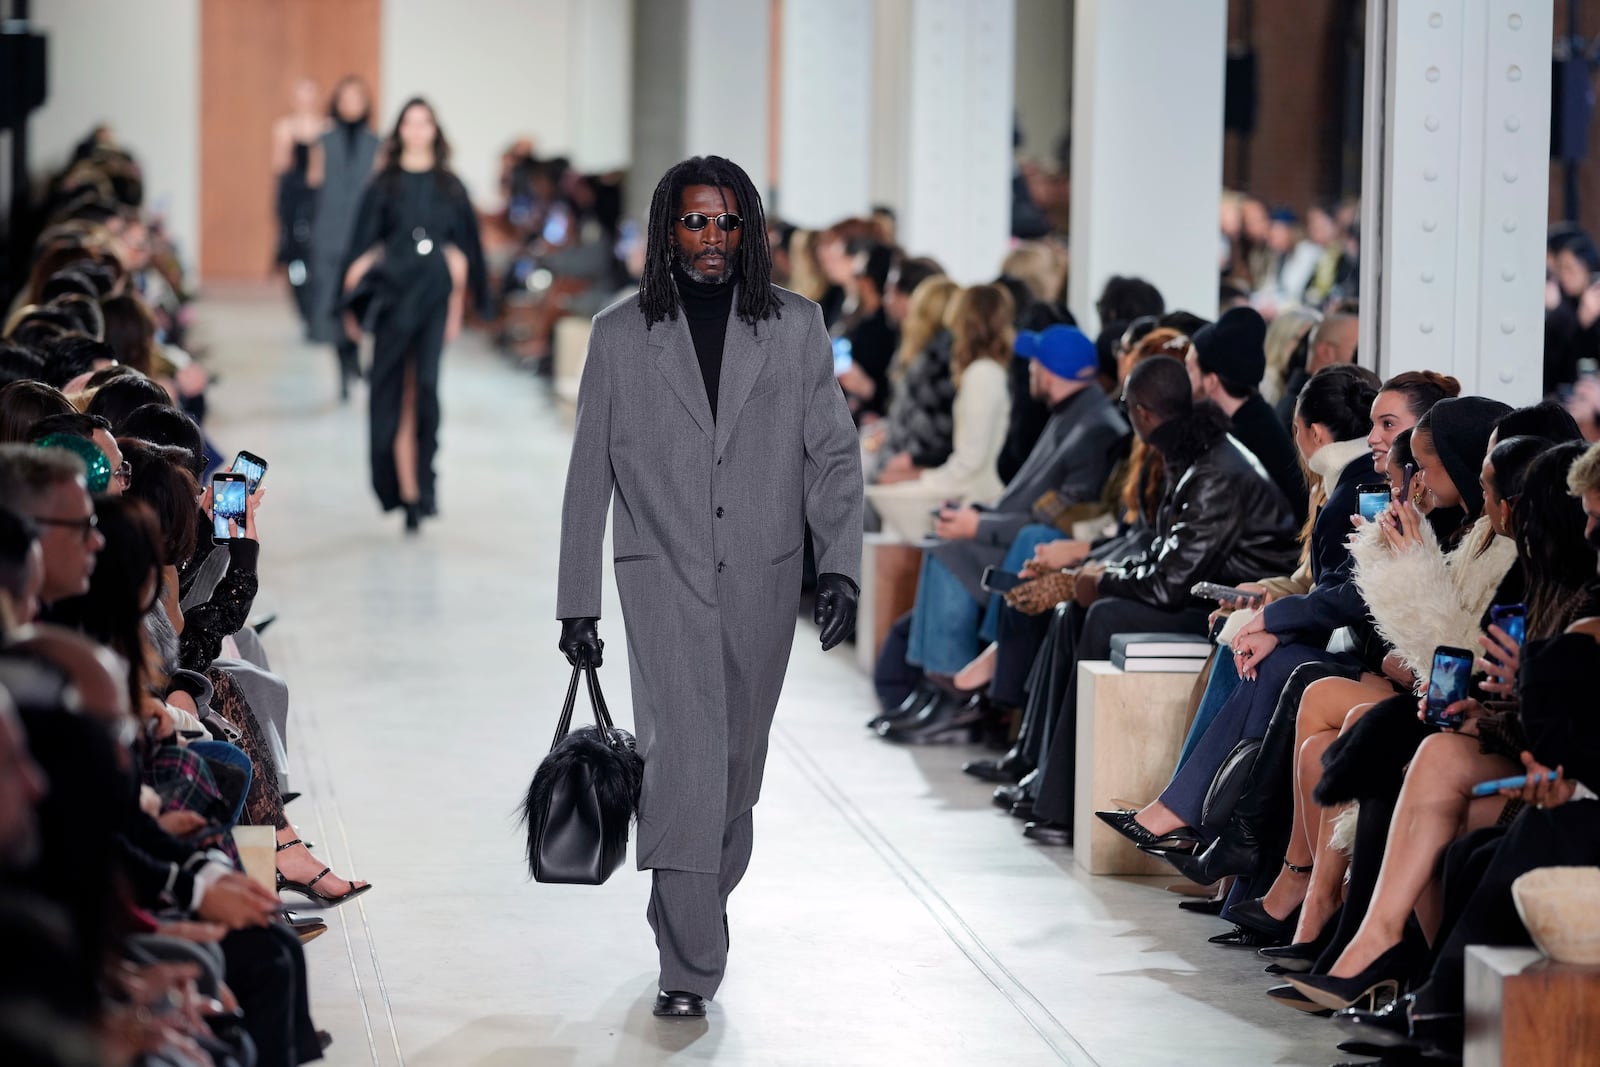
(706, 307)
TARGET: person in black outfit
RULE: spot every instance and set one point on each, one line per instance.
(1227, 361)
(873, 339)
(1220, 520)
(415, 247)
(1572, 308)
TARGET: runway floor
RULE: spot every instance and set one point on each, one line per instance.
(891, 914)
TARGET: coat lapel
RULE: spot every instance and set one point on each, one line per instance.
(744, 354)
(675, 355)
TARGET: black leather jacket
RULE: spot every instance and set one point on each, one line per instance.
(1220, 520)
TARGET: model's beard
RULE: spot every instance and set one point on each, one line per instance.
(686, 263)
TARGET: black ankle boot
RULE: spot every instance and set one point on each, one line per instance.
(413, 518)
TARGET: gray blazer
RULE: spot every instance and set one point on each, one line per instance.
(1074, 456)
(709, 525)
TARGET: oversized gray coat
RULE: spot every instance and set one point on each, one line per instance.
(709, 526)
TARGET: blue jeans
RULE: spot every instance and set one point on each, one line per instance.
(944, 622)
(1223, 681)
(222, 752)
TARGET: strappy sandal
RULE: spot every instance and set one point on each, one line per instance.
(309, 889)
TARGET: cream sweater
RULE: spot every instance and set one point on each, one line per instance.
(982, 416)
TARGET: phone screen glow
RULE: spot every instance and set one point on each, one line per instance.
(228, 498)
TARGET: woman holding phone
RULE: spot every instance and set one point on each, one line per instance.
(414, 256)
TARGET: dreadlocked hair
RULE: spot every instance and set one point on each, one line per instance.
(658, 293)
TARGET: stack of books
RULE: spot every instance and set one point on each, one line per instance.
(1159, 652)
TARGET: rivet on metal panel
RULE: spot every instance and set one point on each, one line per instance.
(1431, 123)
(1432, 74)
(1426, 325)
(1513, 73)
(1514, 20)
(1435, 20)
(1508, 326)
(1513, 124)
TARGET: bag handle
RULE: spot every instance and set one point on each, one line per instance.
(597, 701)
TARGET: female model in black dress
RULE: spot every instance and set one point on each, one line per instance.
(292, 139)
(415, 253)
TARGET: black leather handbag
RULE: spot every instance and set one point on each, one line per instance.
(583, 796)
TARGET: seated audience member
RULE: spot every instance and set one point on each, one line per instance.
(1221, 519)
(1028, 415)
(1068, 467)
(47, 486)
(917, 433)
(69, 361)
(1226, 362)
(981, 339)
(97, 432)
(871, 339)
(1287, 344)
(123, 395)
(1332, 422)
(1436, 804)
(1572, 307)
(1332, 341)
(24, 403)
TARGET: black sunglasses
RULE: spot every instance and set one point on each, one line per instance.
(696, 221)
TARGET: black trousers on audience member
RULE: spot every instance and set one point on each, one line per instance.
(689, 913)
(1100, 622)
(266, 969)
(392, 354)
(1479, 870)
(1047, 681)
(1016, 648)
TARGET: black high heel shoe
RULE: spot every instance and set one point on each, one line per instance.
(413, 518)
(1127, 824)
(1371, 989)
(1256, 928)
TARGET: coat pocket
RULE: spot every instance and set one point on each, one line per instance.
(787, 556)
(635, 559)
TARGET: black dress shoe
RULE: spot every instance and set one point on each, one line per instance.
(1047, 832)
(1008, 768)
(1253, 915)
(1208, 906)
(1399, 1024)
(919, 698)
(949, 721)
(1244, 937)
(1007, 797)
(1127, 824)
(1371, 989)
(1289, 996)
(1023, 809)
(675, 1004)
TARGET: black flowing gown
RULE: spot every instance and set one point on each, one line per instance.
(404, 301)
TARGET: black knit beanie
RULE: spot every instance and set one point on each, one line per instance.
(1460, 428)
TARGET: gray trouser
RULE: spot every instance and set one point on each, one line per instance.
(689, 913)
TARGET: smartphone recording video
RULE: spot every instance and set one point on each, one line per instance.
(1371, 499)
(228, 494)
(252, 466)
(1448, 683)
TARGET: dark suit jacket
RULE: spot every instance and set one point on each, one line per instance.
(1256, 426)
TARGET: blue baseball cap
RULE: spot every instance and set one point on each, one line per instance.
(1064, 351)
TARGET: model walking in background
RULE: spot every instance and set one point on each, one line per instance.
(292, 139)
(341, 165)
(414, 256)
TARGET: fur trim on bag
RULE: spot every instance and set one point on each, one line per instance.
(1422, 598)
(1343, 838)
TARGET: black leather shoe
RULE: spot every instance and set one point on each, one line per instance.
(1181, 842)
(1253, 915)
(919, 698)
(1244, 937)
(1007, 797)
(1047, 832)
(1208, 906)
(675, 1004)
(1299, 957)
(1398, 1025)
(1023, 809)
(949, 721)
(1125, 823)
(1008, 768)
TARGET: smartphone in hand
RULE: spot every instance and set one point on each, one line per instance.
(1448, 684)
(996, 580)
(229, 492)
(252, 466)
(1489, 789)
(1371, 499)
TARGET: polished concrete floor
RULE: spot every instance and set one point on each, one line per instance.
(891, 915)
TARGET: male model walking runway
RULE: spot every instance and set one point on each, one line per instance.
(709, 406)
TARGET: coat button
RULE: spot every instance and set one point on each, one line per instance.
(719, 513)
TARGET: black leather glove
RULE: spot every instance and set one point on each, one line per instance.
(836, 608)
(580, 641)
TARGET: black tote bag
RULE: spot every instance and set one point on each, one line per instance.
(583, 796)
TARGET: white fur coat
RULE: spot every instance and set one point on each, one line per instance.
(1423, 598)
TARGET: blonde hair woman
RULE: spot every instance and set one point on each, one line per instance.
(916, 435)
(980, 321)
(1287, 330)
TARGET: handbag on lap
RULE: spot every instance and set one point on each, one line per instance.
(583, 796)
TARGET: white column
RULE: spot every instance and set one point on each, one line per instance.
(825, 79)
(727, 76)
(601, 94)
(891, 90)
(957, 205)
(1147, 149)
(1456, 199)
